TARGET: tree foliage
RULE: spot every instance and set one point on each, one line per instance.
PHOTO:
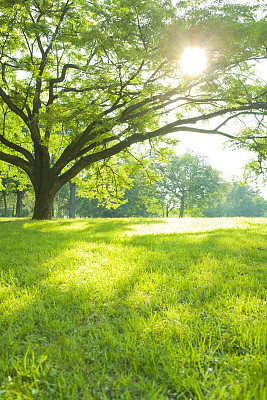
(254, 140)
(240, 201)
(83, 81)
(188, 183)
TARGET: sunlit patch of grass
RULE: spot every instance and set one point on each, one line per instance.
(133, 309)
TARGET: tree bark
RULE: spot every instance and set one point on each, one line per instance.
(5, 202)
(45, 190)
(43, 205)
(19, 194)
(44, 183)
(162, 205)
(167, 210)
(181, 214)
(72, 199)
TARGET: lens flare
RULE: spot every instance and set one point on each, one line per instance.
(193, 61)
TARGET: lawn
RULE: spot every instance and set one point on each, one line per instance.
(133, 309)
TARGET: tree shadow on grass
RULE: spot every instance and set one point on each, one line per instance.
(120, 317)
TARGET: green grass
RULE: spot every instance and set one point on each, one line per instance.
(133, 309)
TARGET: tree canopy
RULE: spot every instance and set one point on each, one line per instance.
(240, 201)
(188, 182)
(83, 81)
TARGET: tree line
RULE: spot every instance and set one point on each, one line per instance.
(181, 186)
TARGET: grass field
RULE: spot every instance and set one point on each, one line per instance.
(133, 309)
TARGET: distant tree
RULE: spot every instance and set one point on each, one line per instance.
(142, 198)
(13, 181)
(139, 200)
(62, 203)
(3, 203)
(241, 201)
(8, 197)
(130, 195)
(254, 140)
(13, 194)
(72, 186)
(187, 183)
(19, 198)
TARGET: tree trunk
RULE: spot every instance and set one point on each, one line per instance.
(43, 205)
(44, 199)
(19, 203)
(182, 207)
(5, 202)
(162, 205)
(72, 199)
(45, 185)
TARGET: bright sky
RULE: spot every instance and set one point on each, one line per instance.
(220, 156)
(229, 161)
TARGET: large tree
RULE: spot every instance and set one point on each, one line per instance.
(82, 81)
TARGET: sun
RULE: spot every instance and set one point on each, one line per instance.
(193, 61)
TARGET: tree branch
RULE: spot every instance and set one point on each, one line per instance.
(207, 131)
(17, 162)
(163, 97)
(177, 126)
(13, 107)
(36, 101)
(172, 127)
(17, 148)
(58, 80)
(92, 146)
(3, 73)
(116, 105)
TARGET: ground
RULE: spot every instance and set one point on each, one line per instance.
(133, 309)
